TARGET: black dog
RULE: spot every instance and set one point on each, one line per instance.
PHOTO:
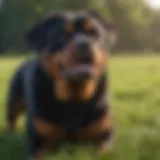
(64, 89)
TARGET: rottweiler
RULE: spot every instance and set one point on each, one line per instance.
(65, 88)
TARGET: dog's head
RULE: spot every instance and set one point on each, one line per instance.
(73, 46)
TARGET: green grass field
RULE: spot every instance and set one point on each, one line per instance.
(135, 83)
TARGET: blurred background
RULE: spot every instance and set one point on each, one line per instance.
(137, 21)
(134, 73)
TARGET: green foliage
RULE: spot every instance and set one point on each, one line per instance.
(135, 83)
(133, 19)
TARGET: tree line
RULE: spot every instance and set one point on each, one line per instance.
(137, 24)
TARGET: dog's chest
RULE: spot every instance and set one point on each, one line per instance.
(57, 111)
(71, 115)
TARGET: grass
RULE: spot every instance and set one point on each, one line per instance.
(135, 83)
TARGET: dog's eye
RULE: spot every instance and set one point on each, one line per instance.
(69, 28)
(90, 29)
(93, 32)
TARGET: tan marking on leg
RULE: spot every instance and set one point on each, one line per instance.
(51, 133)
(48, 130)
(95, 129)
(19, 108)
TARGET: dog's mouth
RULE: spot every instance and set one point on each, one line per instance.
(78, 73)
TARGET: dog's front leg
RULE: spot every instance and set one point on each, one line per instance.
(100, 131)
(43, 136)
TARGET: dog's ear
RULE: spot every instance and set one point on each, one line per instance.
(38, 35)
(109, 27)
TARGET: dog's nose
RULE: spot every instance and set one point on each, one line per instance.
(84, 45)
(84, 52)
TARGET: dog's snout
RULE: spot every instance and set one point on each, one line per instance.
(83, 50)
(84, 45)
(84, 53)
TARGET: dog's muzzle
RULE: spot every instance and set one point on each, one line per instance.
(84, 61)
(83, 53)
